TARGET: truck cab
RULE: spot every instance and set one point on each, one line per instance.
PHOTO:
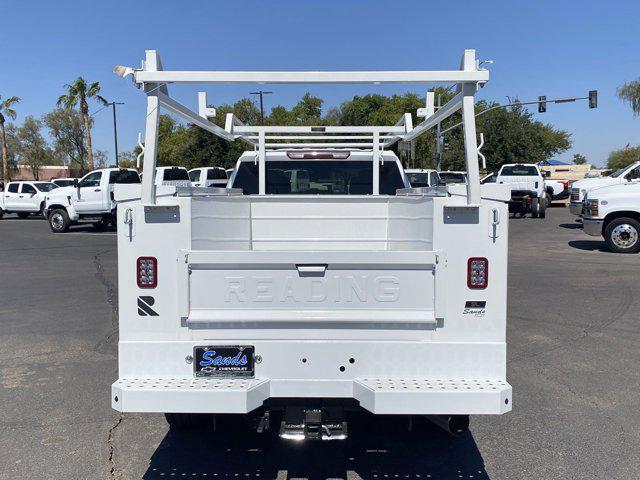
(626, 175)
(613, 212)
(25, 198)
(528, 191)
(208, 177)
(423, 177)
(90, 199)
(176, 176)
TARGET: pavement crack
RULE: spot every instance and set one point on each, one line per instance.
(111, 296)
(112, 464)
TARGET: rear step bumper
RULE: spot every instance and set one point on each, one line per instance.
(377, 395)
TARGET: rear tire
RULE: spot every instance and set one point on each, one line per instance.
(622, 235)
(1, 213)
(542, 212)
(23, 214)
(59, 221)
(101, 225)
(535, 207)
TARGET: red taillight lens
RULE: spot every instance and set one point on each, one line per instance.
(477, 272)
(147, 272)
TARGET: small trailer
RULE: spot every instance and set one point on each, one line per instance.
(318, 283)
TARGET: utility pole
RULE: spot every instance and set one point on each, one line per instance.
(261, 93)
(115, 128)
(438, 142)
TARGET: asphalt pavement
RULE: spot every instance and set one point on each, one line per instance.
(573, 356)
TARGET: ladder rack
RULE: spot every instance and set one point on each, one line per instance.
(154, 81)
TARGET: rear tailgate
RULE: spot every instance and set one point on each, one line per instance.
(271, 288)
(520, 183)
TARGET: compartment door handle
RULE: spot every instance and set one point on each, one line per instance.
(311, 270)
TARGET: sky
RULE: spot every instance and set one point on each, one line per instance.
(553, 48)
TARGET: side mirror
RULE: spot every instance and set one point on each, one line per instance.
(75, 183)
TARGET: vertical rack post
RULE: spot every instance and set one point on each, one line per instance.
(150, 150)
(262, 178)
(376, 162)
(152, 63)
(468, 90)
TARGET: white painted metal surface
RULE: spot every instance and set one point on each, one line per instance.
(341, 296)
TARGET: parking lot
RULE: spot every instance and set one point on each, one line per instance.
(573, 356)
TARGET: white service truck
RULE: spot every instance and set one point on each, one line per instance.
(528, 192)
(626, 175)
(24, 198)
(89, 199)
(319, 283)
(613, 213)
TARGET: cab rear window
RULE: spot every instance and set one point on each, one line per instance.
(519, 171)
(317, 177)
(124, 176)
(171, 174)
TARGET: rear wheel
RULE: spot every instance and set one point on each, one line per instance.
(59, 220)
(1, 213)
(623, 235)
(542, 210)
(102, 224)
(23, 214)
(535, 207)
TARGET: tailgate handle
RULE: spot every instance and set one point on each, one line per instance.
(305, 270)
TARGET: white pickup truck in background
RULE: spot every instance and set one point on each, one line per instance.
(208, 177)
(24, 198)
(629, 174)
(528, 191)
(89, 200)
(423, 177)
(613, 212)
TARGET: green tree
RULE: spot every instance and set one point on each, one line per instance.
(630, 93)
(77, 94)
(579, 159)
(623, 157)
(65, 128)
(33, 150)
(6, 110)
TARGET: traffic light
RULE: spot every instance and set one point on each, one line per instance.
(593, 99)
(542, 103)
(445, 144)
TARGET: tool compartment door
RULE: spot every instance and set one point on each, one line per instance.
(227, 288)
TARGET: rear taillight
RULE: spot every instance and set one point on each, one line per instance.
(477, 272)
(147, 272)
(317, 155)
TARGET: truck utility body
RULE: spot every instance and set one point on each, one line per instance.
(319, 281)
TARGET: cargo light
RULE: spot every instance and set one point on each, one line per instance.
(317, 154)
(147, 272)
(477, 272)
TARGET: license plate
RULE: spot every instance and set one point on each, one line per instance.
(230, 361)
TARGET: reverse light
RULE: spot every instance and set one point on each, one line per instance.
(147, 272)
(317, 154)
(477, 272)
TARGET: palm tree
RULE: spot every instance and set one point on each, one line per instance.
(5, 109)
(77, 94)
(630, 92)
